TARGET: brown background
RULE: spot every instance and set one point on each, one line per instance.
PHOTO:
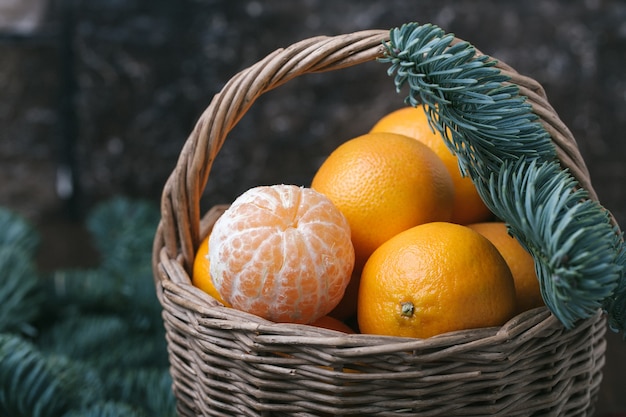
(111, 95)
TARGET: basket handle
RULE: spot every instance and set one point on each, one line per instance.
(178, 233)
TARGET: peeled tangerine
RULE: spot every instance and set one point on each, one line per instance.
(282, 252)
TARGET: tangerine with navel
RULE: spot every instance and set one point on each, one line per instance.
(435, 278)
(282, 252)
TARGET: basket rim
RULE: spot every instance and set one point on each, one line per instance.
(179, 290)
(178, 295)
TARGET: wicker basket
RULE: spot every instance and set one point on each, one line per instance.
(225, 362)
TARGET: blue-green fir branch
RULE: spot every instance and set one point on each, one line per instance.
(108, 409)
(483, 119)
(615, 305)
(29, 385)
(105, 342)
(20, 295)
(502, 145)
(148, 388)
(102, 291)
(17, 232)
(121, 230)
(96, 344)
(571, 237)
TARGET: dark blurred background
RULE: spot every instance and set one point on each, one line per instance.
(99, 96)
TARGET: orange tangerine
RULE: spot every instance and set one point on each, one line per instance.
(435, 278)
(412, 122)
(385, 183)
(201, 276)
(519, 260)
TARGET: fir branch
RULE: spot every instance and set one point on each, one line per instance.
(20, 296)
(482, 119)
(102, 291)
(615, 305)
(147, 388)
(108, 409)
(29, 386)
(501, 144)
(84, 290)
(571, 238)
(98, 322)
(105, 342)
(82, 337)
(82, 381)
(123, 231)
(16, 232)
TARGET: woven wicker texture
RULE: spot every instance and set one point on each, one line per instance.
(225, 362)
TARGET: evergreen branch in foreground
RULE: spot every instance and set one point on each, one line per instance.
(483, 119)
(571, 238)
(615, 305)
(501, 144)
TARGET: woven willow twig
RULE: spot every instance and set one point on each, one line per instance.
(226, 362)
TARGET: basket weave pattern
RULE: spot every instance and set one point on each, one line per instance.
(226, 362)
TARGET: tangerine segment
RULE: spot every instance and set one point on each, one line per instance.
(282, 252)
(435, 278)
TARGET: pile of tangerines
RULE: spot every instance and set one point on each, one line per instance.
(389, 237)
